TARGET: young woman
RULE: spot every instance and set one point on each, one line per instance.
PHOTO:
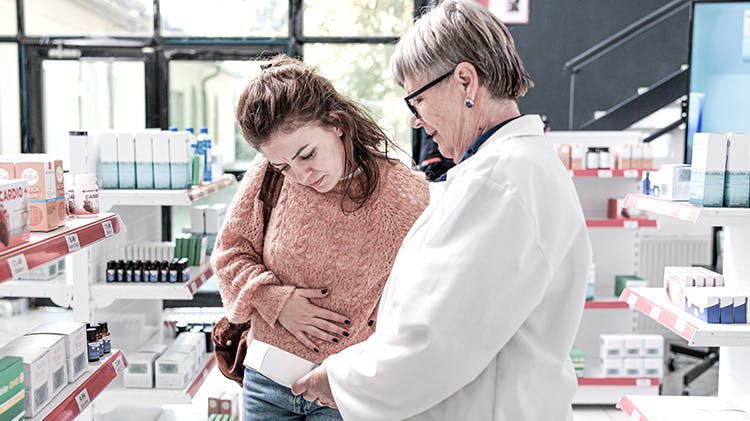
(311, 285)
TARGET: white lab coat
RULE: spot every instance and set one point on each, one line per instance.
(482, 305)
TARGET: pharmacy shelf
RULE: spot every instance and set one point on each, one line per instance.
(44, 247)
(72, 400)
(605, 305)
(687, 212)
(159, 397)
(654, 303)
(662, 408)
(630, 173)
(627, 223)
(55, 289)
(608, 390)
(109, 198)
(106, 292)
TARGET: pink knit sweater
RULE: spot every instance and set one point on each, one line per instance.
(311, 243)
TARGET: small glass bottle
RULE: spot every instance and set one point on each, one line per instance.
(605, 159)
(153, 272)
(86, 194)
(592, 158)
(128, 271)
(106, 338)
(111, 271)
(120, 271)
(173, 271)
(164, 271)
(92, 344)
(183, 268)
(138, 271)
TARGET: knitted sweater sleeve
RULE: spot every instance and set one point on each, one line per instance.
(245, 284)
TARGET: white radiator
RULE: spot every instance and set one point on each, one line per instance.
(657, 252)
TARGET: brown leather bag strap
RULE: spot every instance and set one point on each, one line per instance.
(273, 180)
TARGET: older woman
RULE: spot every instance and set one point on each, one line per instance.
(483, 302)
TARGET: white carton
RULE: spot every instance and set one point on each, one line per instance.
(14, 213)
(198, 219)
(611, 346)
(36, 364)
(126, 160)
(75, 344)
(633, 346)
(214, 218)
(653, 346)
(55, 344)
(140, 372)
(173, 370)
(707, 169)
(653, 367)
(632, 367)
(737, 178)
(611, 367)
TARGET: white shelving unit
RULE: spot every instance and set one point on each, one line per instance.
(104, 293)
(110, 198)
(733, 340)
(77, 396)
(680, 408)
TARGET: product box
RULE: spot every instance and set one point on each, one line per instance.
(622, 157)
(198, 219)
(7, 169)
(160, 147)
(636, 156)
(611, 346)
(179, 160)
(632, 367)
(76, 352)
(173, 370)
(126, 160)
(140, 372)
(214, 403)
(702, 303)
(737, 176)
(214, 218)
(674, 182)
(628, 281)
(12, 394)
(55, 344)
(707, 169)
(675, 282)
(633, 346)
(36, 364)
(14, 213)
(653, 346)
(144, 161)
(612, 367)
(229, 404)
(84, 152)
(155, 348)
(42, 190)
(739, 308)
(653, 367)
(107, 169)
(62, 213)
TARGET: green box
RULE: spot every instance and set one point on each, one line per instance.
(12, 394)
(621, 282)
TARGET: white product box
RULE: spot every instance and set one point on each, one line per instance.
(55, 344)
(126, 160)
(160, 147)
(653, 367)
(14, 213)
(84, 152)
(107, 167)
(76, 351)
(674, 182)
(155, 348)
(737, 175)
(633, 347)
(632, 367)
(144, 161)
(611, 346)
(173, 370)
(193, 342)
(179, 160)
(198, 219)
(140, 372)
(713, 279)
(653, 346)
(214, 217)
(675, 282)
(36, 365)
(707, 169)
(636, 155)
(39, 172)
(739, 307)
(612, 367)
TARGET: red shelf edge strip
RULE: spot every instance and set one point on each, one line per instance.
(605, 305)
(666, 317)
(618, 381)
(193, 389)
(628, 407)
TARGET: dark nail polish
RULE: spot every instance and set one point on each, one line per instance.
(347, 322)
(335, 340)
(371, 322)
(324, 291)
(316, 350)
(345, 333)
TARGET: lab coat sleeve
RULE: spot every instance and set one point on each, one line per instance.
(466, 289)
(245, 284)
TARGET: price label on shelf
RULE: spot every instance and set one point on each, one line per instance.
(630, 173)
(203, 278)
(642, 382)
(83, 400)
(119, 365)
(108, 230)
(73, 243)
(18, 265)
(192, 288)
(655, 313)
(632, 299)
(630, 224)
(680, 325)
(604, 173)
(635, 415)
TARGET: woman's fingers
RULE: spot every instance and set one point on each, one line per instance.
(302, 337)
(329, 315)
(314, 331)
(331, 328)
(312, 292)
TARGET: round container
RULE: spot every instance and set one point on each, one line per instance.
(86, 195)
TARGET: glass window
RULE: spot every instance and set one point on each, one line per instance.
(205, 93)
(235, 18)
(357, 18)
(361, 71)
(8, 17)
(90, 94)
(10, 114)
(93, 17)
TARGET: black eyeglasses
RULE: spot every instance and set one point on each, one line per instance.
(409, 97)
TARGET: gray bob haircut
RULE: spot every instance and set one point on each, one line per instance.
(456, 31)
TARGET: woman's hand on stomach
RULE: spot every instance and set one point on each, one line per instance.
(306, 321)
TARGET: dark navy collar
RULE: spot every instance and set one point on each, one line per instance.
(474, 147)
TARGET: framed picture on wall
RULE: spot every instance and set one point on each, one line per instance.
(511, 12)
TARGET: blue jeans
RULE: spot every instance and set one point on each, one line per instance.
(265, 400)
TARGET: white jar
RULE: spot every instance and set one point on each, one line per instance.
(592, 159)
(86, 196)
(605, 159)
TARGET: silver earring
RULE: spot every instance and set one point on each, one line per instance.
(469, 103)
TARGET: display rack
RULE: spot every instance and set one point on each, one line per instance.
(605, 305)
(595, 390)
(44, 247)
(658, 408)
(159, 397)
(55, 289)
(630, 173)
(627, 223)
(106, 292)
(77, 396)
(110, 198)
(733, 340)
